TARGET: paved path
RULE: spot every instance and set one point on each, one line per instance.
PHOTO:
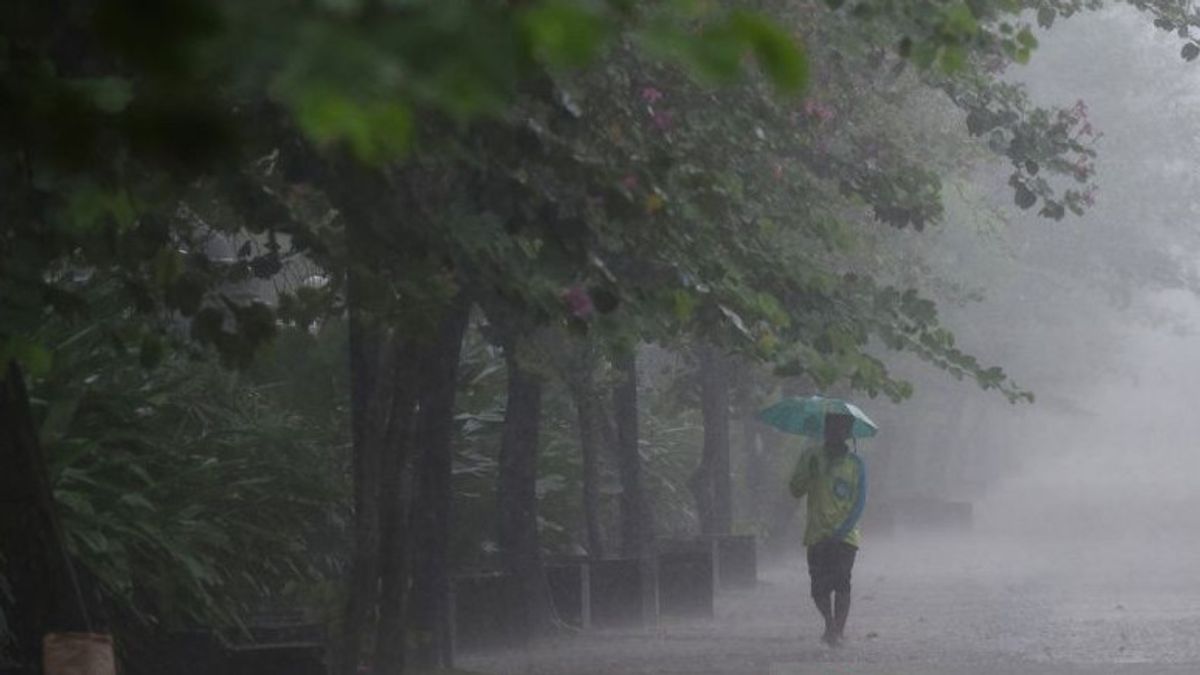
(927, 607)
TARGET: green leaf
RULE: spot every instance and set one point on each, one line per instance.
(1026, 39)
(1046, 16)
(391, 128)
(1190, 51)
(375, 130)
(168, 267)
(89, 205)
(954, 59)
(343, 7)
(109, 94)
(716, 54)
(34, 357)
(1024, 197)
(924, 53)
(780, 57)
(564, 33)
(59, 414)
(152, 351)
(959, 21)
(683, 305)
(137, 501)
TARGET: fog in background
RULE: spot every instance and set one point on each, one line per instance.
(1050, 537)
(1098, 316)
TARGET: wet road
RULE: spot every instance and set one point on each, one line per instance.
(925, 606)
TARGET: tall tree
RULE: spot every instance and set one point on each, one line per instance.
(367, 409)
(636, 521)
(41, 572)
(712, 482)
(580, 375)
(432, 509)
(394, 498)
(516, 497)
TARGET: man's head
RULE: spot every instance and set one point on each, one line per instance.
(837, 431)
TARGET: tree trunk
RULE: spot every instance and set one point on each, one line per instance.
(758, 475)
(432, 508)
(580, 378)
(700, 484)
(45, 591)
(520, 545)
(585, 407)
(391, 636)
(635, 520)
(361, 195)
(366, 339)
(711, 482)
(783, 533)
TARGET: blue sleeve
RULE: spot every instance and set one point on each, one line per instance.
(860, 501)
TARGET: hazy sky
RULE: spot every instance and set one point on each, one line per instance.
(1086, 316)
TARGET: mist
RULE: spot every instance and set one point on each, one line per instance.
(585, 337)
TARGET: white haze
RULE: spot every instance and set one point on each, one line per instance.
(1085, 546)
(1125, 466)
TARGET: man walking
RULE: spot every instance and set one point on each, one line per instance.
(835, 482)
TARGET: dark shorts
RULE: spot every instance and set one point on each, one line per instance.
(829, 566)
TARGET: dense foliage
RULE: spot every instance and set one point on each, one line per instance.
(202, 217)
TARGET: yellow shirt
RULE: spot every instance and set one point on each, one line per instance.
(836, 493)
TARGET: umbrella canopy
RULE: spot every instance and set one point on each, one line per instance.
(806, 416)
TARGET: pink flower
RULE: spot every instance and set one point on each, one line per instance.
(1089, 198)
(663, 120)
(651, 95)
(777, 171)
(630, 182)
(578, 302)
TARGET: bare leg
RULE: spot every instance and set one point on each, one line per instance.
(841, 610)
(824, 602)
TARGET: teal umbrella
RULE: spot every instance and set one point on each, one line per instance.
(806, 416)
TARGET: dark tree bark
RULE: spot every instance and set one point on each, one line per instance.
(367, 202)
(635, 521)
(758, 478)
(384, 215)
(520, 544)
(46, 594)
(700, 484)
(390, 637)
(433, 504)
(366, 339)
(589, 421)
(711, 481)
(580, 378)
(637, 526)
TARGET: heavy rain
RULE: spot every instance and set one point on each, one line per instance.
(588, 337)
